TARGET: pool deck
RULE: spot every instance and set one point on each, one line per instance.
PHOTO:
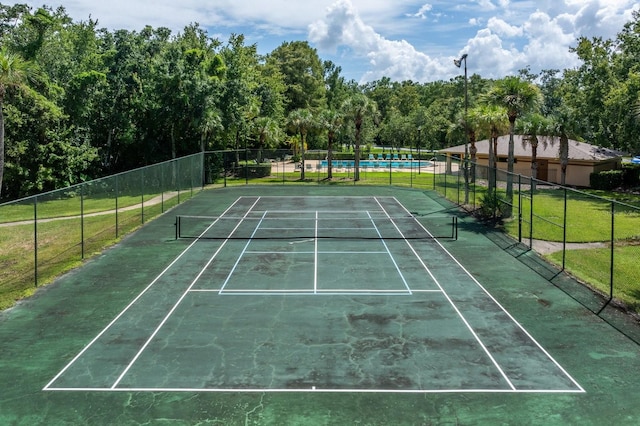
(438, 166)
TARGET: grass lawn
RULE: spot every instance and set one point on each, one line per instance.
(593, 267)
(588, 219)
(64, 243)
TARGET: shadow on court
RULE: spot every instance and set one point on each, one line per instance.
(394, 328)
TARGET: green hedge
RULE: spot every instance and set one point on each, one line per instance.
(254, 170)
(631, 178)
(627, 177)
(607, 180)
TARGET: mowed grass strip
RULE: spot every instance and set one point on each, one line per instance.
(60, 238)
(594, 267)
(588, 219)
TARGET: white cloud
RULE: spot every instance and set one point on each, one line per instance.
(501, 28)
(342, 26)
(549, 43)
(486, 4)
(422, 12)
(490, 58)
(383, 38)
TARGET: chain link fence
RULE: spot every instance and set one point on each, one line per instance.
(591, 237)
(46, 234)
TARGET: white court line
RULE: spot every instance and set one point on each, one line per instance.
(318, 390)
(390, 255)
(164, 271)
(464, 320)
(498, 304)
(310, 292)
(319, 252)
(175, 306)
(243, 252)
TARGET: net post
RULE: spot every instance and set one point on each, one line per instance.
(177, 226)
(454, 231)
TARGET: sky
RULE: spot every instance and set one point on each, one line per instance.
(399, 39)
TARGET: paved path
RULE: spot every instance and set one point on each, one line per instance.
(548, 247)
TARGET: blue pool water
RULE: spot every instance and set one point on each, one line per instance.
(382, 164)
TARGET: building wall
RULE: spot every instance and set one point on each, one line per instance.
(578, 174)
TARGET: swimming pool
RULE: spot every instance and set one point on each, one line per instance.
(382, 164)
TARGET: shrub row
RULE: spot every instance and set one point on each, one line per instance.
(254, 170)
(627, 177)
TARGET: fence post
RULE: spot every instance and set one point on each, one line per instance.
(35, 239)
(519, 208)
(531, 189)
(117, 195)
(82, 221)
(564, 231)
(162, 187)
(612, 241)
(434, 175)
(176, 164)
(191, 169)
(142, 194)
(458, 184)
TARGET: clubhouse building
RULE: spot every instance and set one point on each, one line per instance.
(584, 159)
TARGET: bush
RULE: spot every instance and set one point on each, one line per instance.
(492, 206)
(631, 175)
(254, 170)
(607, 180)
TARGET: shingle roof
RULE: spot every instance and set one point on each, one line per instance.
(548, 148)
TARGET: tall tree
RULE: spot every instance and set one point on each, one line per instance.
(356, 109)
(331, 121)
(14, 72)
(566, 123)
(535, 129)
(518, 97)
(303, 74)
(238, 101)
(490, 121)
(267, 133)
(301, 122)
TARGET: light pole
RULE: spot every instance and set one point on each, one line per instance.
(458, 63)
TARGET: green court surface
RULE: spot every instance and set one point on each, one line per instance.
(312, 305)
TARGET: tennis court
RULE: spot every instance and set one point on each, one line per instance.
(317, 306)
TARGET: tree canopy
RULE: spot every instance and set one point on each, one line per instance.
(106, 101)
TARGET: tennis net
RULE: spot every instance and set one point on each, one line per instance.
(312, 226)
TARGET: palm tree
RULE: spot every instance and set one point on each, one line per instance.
(356, 108)
(331, 121)
(535, 128)
(565, 124)
(207, 125)
(491, 121)
(301, 121)
(14, 72)
(518, 97)
(268, 132)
